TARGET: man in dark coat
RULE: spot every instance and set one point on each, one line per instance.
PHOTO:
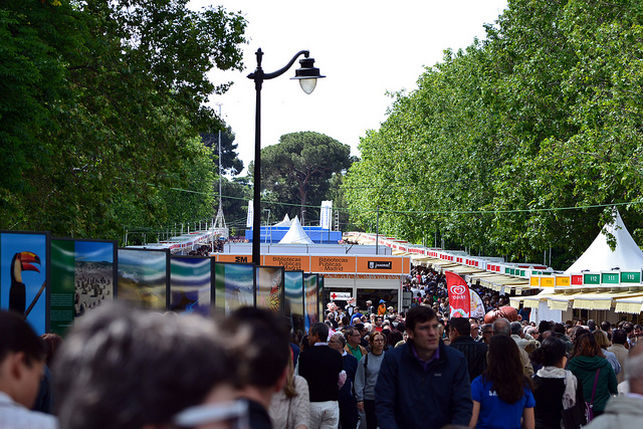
(474, 352)
(347, 403)
(423, 383)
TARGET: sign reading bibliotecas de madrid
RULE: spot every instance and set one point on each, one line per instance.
(367, 264)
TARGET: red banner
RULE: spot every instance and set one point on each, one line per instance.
(459, 296)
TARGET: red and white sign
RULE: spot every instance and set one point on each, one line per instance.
(340, 296)
(459, 296)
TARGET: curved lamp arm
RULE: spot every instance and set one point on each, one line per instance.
(259, 76)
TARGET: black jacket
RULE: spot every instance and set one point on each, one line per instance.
(408, 396)
(475, 353)
(320, 366)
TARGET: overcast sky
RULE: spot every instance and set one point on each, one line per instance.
(365, 48)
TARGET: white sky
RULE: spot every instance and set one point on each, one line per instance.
(365, 48)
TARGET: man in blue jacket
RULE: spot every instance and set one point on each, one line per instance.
(423, 383)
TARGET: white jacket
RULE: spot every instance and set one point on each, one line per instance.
(620, 412)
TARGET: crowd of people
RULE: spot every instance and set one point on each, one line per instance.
(365, 367)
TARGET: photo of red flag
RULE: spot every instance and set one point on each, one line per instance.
(459, 296)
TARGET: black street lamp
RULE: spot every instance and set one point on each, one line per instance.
(307, 75)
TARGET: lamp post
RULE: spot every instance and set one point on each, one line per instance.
(307, 75)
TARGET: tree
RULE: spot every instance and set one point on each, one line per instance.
(543, 114)
(118, 90)
(340, 206)
(297, 170)
(230, 162)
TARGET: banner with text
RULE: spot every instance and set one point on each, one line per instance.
(459, 297)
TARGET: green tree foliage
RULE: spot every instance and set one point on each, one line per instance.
(545, 113)
(337, 195)
(236, 194)
(107, 133)
(298, 169)
(230, 162)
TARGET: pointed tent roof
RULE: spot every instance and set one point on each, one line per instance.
(296, 234)
(285, 222)
(627, 255)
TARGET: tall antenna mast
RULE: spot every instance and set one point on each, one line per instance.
(219, 227)
(220, 171)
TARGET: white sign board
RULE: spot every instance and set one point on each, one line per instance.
(340, 296)
(250, 217)
(325, 214)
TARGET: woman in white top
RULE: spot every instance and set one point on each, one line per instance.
(290, 407)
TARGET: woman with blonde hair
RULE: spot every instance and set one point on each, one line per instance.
(604, 342)
(290, 407)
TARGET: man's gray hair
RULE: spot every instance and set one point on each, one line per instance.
(340, 337)
(634, 367)
(516, 328)
(501, 327)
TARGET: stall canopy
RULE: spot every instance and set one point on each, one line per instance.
(284, 223)
(632, 304)
(600, 257)
(296, 234)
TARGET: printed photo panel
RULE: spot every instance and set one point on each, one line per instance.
(24, 265)
(143, 278)
(234, 286)
(82, 277)
(191, 283)
(270, 287)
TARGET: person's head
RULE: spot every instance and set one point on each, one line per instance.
(544, 325)
(128, 368)
(601, 339)
(337, 342)
(501, 326)
(552, 352)
(52, 342)
(22, 359)
(559, 328)
(475, 330)
(606, 326)
(486, 332)
(634, 369)
(261, 340)
(360, 327)
(369, 303)
(576, 332)
(591, 324)
(318, 332)
(504, 369)
(377, 342)
(586, 345)
(619, 336)
(378, 321)
(422, 327)
(353, 336)
(459, 327)
(516, 328)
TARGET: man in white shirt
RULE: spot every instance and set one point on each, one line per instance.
(22, 361)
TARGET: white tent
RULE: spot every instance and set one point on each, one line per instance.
(627, 255)
(296, 234)
(285, 222)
